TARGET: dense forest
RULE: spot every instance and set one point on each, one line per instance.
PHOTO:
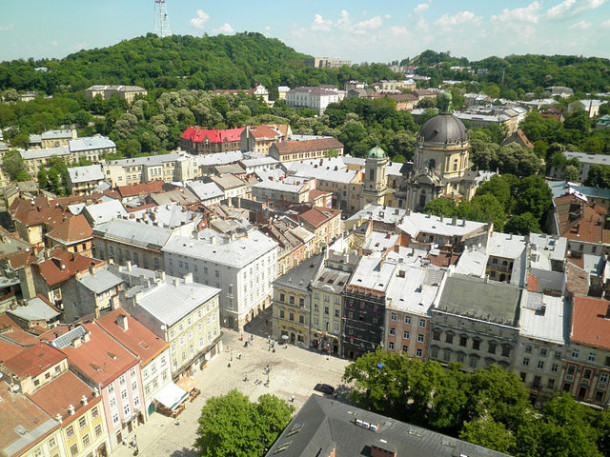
(181, 62)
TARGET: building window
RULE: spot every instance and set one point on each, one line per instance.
(301, 319)
(86, 440)
(408, 320)
(543, 352)
(393, 316)
(540, 365)
(591, 356)
(461, 357)
(506, 351)
(434, 353)
(418, 353)
(95, 412)
(526, 361)
(326, 310)
(82, 422)
(405, 335)
(492, 347)
(587, 374)
(52, 443)
(436, 335)
(449, 338)
(575, 353)
(282, 314)
(74, 450)
(420, 338)
(554, 368)
(528, 349)
(422, 323)
(392, 331)
(463, 340)
(551, 383)
(603, 377)
(473, 362)
(391, 345)
(70, 432)
(476, 344)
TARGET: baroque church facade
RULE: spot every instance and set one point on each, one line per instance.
(440, 167)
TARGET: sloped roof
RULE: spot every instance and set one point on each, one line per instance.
(62, 265)
(137, 338)
(71, 230)
(319, 144)
(591, 322)
(37, 211)
(578, 221)
(141, 189)
(318, 216)
(36, 308)
(34, 360)
(197, 135)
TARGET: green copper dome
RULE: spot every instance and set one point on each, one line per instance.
(376, 153)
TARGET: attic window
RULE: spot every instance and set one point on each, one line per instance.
(111, 355)
(95, 367)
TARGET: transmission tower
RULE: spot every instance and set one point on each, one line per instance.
(161, 19)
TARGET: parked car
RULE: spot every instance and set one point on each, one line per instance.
(325, 388)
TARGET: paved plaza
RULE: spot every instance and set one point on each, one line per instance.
(293, 371)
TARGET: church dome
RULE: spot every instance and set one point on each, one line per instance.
(444, 128)
(376, 153)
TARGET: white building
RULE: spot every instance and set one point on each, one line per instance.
(243, 267)
(317, 98)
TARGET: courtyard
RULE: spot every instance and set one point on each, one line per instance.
(293, 372)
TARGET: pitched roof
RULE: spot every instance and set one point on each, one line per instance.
(197, 135)
(318, 216)
(23, 422)
(137, 338)
(141, 189)
(319, 144)
(37, 308)
(11, 333)
(55, 397)
(34, 360)
(101, 359)
(579, 221)
(591, 322)
(37, 211)
(71, 230)
(62, 265)
(265, 132)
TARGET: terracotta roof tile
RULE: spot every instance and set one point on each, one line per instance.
(72, 229)
(137, 338)
(65, 390)
(317, 216)
(197, 135)
(579, 221)
(289, 147)
(34, 360)
(101, 359)
(591, 322)
(38, 211)
(141, 189)
(62, 265)
(10, 332)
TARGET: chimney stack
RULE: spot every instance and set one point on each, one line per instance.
(71, 409)
(122, 322)
(83, 400)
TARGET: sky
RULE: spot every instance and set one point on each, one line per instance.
(356, 30)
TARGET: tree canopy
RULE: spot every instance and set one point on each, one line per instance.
(232, 425)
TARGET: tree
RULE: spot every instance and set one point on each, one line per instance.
(523, 224)
(484, 431)
(533, 196)
(441, 207)
(43, 180)
(599, 176)
(232, 425)
(14, 166)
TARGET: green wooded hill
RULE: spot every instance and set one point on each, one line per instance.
(180, 62)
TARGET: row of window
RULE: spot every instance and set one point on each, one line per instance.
(418, 352)
(407, 320)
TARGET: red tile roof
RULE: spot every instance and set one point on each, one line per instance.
(137, 338)
(65, 390)
(38, 211)
(579, 221)
(72, 229)
(141, 189)
(62, 265)
(321, 144)
(12, 333)
(9, 350)
(318, 216)
(577, 279)
(101, 359)
(19, 413)
(34, 360)
(265, 132)
(591, 322)
(197, 135)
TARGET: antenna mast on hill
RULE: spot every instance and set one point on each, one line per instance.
(161, 19)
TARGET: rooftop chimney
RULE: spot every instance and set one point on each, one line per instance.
(71, 409)
(122, 322)
(76, 343)
(83, 400)
(86, 337)
(59, 418)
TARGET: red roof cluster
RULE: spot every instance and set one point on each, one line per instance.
(141, 189)
(34, 360)
(62, 265)
(72, 229)
(197, 135)
(579, 221)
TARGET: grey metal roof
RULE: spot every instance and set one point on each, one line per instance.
(134, 233)
(86, 174)
(443, 128)
(91, 143)
(35, 309)
(324, 424)
(482, 299)
(302, 275)
(100, 281)
(66, 339)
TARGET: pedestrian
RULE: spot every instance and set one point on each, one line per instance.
(239, 356)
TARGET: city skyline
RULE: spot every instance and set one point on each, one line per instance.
(356, 31)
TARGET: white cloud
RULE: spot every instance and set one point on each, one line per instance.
(421, 8)
(398, 31)
(321, 24)
(370, 24)
(344, 19)
(202, 18)
(225, 29)
(528, 14)
(606, 24)
(4, 28)
(570, 8)
(580, 25)
(387, 16)
(447, 22)
(81, 45)
(54, 43)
